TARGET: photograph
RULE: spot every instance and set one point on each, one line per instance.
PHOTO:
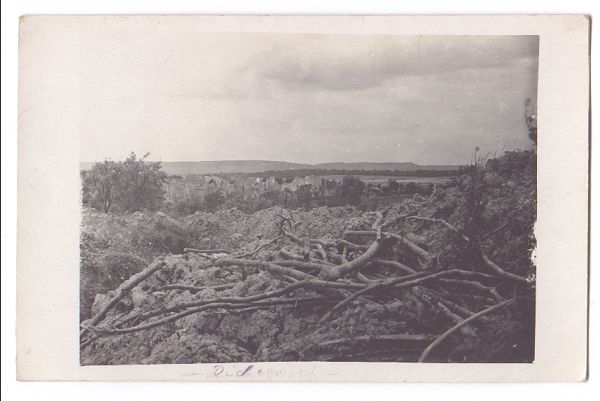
(256, 196)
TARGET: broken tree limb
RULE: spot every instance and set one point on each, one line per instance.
(420, 252)
(394, 264)
(124, 289)
(464, 312)
(220, 305)
(442, 222)
(205, 251)
(302, 265)
(486, 260)
(335, 272)
(325, 244)
(503, 273)
(364, 279)
(312, 284)
(474, 284)
(258, 249)
(456, 319)
(397, 283)
(194, 288)
(349, 299)
(268, 266)
(293, 238)
(395, 220)
(336, 258)
(457, 327)
(320, 250)
(351, 245)
(284, 253)
(379, 220)
(360, 233)
(417, 239)
(411, 339)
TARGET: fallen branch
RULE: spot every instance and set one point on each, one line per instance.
(456, 327)
(503, 273)
(258, 249)
(124, 289)
(352, 245)
(268, 266)
(336, 258)
(336, 272)
(394, 264)
(302, 265)
(442, 222)
(422, 253)
(290, 255)
(194, 288)
(364, 279)
(395, 220)
(474, 284)
(205, 251)
(458, 309)
(294, 238)
(397, 283)
(486, 260)
(320, 250)
(377, 224)
(221, 305)
(456, 319)
(410, 338)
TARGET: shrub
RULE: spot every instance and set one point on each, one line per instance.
(130, 185)
(213, 201)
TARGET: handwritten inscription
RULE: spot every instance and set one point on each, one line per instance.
(223, 371)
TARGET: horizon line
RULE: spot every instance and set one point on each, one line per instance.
(280, 161)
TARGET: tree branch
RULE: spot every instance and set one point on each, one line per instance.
(457, 326)
(124, 289)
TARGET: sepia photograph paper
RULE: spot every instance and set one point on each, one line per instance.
(303, 198)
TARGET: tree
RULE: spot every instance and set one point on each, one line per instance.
(411, 188)
(270, 198)
(100, 185)
(213, 200)
(141, 184)
(531, 120)
(352, 189)
(304, 195)
(130, 185)
(393, 185)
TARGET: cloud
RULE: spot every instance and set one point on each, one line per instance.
(344, 63)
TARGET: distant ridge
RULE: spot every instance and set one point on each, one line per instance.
(257, 166)
(402, 166)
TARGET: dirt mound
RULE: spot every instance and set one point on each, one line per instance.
(112, 248)
(231, 229)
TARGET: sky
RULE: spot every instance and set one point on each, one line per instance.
(306, 98)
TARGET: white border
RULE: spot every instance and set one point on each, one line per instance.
(103, 391)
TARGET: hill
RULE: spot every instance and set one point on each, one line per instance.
(256, 166)
(401, 166)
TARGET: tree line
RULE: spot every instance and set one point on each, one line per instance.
(282, 174)
(137, 184)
